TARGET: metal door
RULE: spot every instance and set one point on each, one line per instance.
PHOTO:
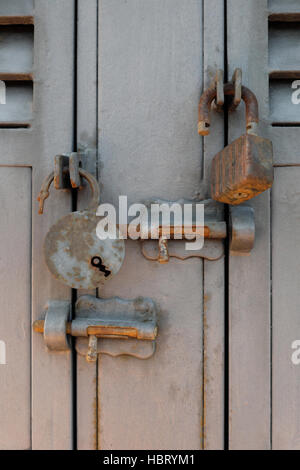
(263, 39)
(141, 69)
(121, 80)
(37, 122)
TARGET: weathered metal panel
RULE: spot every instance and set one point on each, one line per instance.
(52, 133)
(15, 320)
(16, 7)
(16, 49)
(150, 68)
(213, 274)
(87, 60)
(286, 301)
(19, 103)
(284, 46)
(282, 109)
(286, 6)
(249, 277)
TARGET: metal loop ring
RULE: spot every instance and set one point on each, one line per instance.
(45, 190)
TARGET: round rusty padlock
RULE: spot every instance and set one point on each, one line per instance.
(73, 252)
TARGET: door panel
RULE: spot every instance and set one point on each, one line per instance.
(15, 321)
(53, 133)
(149, 86)
(150, 81)
(16, 7)
(263, 290)
(249, 277)
(87, 141)
(286, 300)
(141, 67)
(32, 147)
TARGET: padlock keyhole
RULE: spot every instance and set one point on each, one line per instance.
(98, 263)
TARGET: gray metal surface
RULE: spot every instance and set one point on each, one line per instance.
(213, 273)
(288, 6)
(57, 316)
(282, 109)
(150, 69)
(249, 277)
(15, 334)
(16, 49)
(72, 249)
(19, 103)
(242, 230)
(74, 253)
(286, 301)
(283, 46)
(43, 414)
(87, 61)
(52, 133)
(16, 7)
(112, 319)
(139, 314)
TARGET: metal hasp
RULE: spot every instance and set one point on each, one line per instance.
(244, 168)
(108, 319)
(66, 171)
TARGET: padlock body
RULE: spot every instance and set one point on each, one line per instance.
(75, 255)
(242, 170)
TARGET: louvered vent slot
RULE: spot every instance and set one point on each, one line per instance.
(16, 64)
(17, 112)
(284, 64)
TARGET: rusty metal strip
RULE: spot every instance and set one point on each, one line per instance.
(16, 77)
(16, 20)
(284, 74)
(287, 17)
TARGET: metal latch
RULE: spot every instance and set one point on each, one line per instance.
(105, 319)
(240, 230)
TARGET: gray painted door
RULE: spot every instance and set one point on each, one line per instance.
(141, 67)
(36, 123)
(264, 379)
(140, 75)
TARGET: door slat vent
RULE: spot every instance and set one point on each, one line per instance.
(284, 65)
(16, 71)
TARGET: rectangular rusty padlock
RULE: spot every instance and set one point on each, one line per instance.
(242, 170)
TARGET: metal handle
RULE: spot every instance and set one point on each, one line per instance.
(45, 190)
(252, 113)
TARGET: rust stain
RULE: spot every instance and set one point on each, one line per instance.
(16, 77)
(16, 20)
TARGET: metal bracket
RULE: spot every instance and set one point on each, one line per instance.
(218, 103)
(131, 320)
(219, 85)
(237, 79)
(66, 171)
(241, 230)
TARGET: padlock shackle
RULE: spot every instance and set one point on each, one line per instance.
(45, 190)
(252, 113)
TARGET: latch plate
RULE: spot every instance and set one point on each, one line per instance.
(107, 319)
